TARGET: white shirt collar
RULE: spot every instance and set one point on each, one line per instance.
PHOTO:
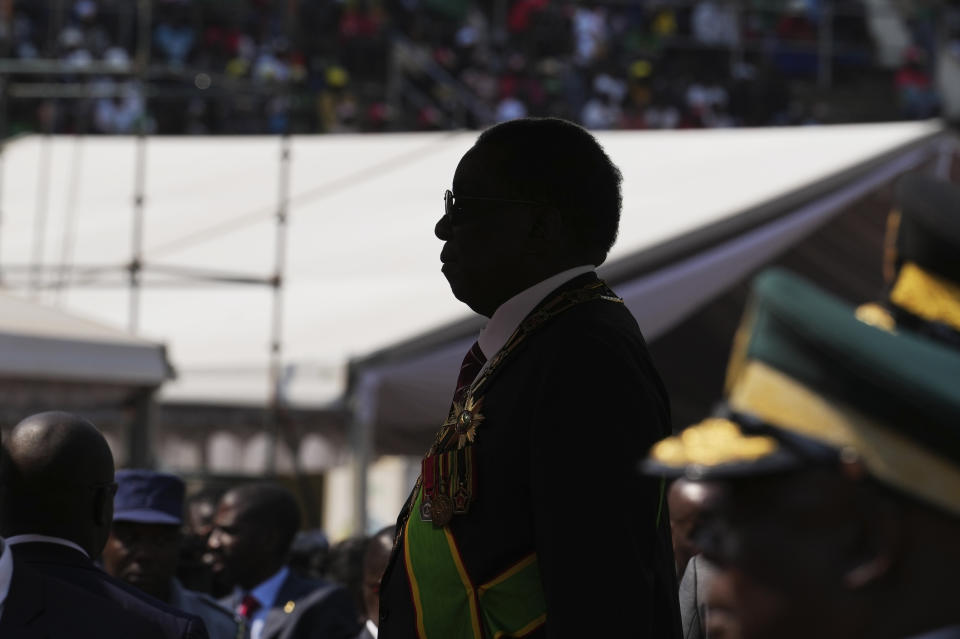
(372, 628)
(266, 592)
(6, 571)
(47, 539)
(508, 315)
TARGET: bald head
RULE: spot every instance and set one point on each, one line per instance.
(58, 480)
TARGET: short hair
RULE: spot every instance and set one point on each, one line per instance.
(561, 164)
(270, 504)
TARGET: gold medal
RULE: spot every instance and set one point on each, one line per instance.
(442, 511)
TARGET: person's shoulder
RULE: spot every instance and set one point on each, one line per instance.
(199, 603)
(176, 622)
(39, 605)
(309, 589)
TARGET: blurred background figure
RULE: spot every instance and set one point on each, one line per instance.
(194, 567)
(921, 264)
(836, 461)
(253, 530)
(686, 500)
(57, 512)
(375, 558)
(144, 545)
(309, 552)
(344, 565)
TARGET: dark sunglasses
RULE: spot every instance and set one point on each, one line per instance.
(450, 201)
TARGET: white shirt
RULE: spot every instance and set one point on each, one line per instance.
(508, 315)
(266, 593)
(372, 628)
(6, 573)
(26, 539)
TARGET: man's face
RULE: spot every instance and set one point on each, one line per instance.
(686, 500)
(782, 545)
(486, 247)
(239, 545)
(143, 555)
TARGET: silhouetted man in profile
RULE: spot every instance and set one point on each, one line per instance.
(253, 529)
(529, 518)
(57, 510)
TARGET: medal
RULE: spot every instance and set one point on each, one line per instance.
(428, 479)
(442, 511)
(448, 472)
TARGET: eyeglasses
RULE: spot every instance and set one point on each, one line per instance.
(450, 201)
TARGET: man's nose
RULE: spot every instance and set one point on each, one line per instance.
(442, 229)
(213, 541)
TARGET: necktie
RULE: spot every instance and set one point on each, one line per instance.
(248, 606)
(473, 361)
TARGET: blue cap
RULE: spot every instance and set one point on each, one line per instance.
(148, 497)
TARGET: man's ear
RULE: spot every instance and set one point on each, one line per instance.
(548, 230)
(878, 541)
(103, 505)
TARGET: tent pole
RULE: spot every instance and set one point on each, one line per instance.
(362, 403)
(140, 168)
(140, 435)
(273, 425)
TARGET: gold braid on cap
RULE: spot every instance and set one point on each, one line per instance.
(712, 442)
(927, 295)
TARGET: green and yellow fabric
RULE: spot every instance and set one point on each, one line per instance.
(509, 605)
(921, 262)
(809, 383)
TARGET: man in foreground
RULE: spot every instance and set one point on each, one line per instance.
(253, 529)
(144, 545)
(529, 518)
(837, 468)
(57, 510)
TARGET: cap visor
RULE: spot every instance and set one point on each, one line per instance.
(146, 516)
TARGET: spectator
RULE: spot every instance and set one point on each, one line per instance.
(345, 566)
(144, 544)
(193, 567)
(57, 513)
(253, 530)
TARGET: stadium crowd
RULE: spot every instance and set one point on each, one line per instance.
(265, 66)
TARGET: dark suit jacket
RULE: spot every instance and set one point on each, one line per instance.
(568, 417)
(320, 609)
(68, 565)
(39, 607)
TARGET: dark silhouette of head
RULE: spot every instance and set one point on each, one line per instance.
(375, 560)
(253, 529)
(533, 197)
(58, 480)
(344, 565)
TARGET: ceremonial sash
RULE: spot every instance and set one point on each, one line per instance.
(450, 606)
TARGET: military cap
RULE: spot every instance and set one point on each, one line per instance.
(922, 261)
(148, 497)
(810, 384)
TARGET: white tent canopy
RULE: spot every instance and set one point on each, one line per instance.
(41, 344)
(362, 268)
